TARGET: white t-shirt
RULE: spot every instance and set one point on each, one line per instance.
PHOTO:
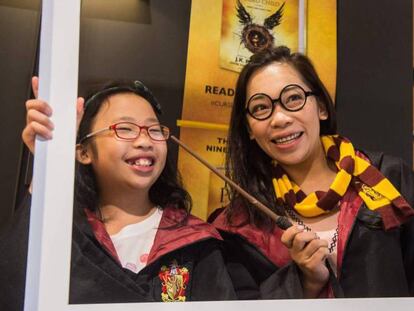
(133, 243)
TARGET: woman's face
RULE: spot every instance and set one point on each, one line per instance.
(290, 138)
(120, 164)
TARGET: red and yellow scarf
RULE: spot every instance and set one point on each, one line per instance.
(376, 191)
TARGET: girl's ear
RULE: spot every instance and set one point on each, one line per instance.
(83, 154)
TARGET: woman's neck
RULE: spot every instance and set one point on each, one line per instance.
(122, 209)
(317, 174)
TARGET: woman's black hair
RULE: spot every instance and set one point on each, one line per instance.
(167, 189)
(246, 163)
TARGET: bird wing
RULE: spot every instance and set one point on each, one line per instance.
(242, 14)
(275, 19)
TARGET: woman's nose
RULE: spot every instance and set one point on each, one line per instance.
(280, 117)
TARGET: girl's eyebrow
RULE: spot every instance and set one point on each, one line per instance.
(133, 120)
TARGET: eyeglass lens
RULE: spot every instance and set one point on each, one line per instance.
(131, 131)
(292, 98)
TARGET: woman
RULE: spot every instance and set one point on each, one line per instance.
(350, 208)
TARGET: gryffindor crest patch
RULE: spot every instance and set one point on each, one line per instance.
(174, 280)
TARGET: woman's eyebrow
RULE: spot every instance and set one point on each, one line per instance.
(259, 95)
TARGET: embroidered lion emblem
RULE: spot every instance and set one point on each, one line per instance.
(174, 280)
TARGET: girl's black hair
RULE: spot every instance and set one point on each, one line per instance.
(246, 163)
(167, 190)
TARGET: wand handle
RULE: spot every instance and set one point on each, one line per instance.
(281, 221)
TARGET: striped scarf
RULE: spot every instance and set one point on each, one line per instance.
(376, 191)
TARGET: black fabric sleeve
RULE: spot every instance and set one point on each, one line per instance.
(283, 284)
(211, 280)
(402, 177)
(407, 232)
(407, 243)
(254, 276)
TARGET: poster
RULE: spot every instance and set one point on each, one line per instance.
(216, 52)
(250, 26)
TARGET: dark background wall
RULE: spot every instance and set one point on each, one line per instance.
(375, 75)
(19, 21)
(374, 95)
(150, 47)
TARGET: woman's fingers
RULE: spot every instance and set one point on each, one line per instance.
(305, 247)
(302, 239)
(289, 235)
(313, 247)
(309, 252)
(320, 254)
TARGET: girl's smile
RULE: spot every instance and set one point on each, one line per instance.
(142, 163)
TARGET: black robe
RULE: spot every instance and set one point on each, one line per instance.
(185, 261)
(373, 263)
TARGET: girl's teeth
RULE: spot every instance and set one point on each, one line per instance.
(287, 138)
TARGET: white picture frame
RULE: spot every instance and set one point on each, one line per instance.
(48, 273)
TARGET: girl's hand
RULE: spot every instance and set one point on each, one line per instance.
(309, 252)
(38, 118)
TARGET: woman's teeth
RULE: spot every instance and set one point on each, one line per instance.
(142, 162)
(287, 139)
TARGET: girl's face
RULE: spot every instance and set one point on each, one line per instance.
(290, 138)
(120, 164)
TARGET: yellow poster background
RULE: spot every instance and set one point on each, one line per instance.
(209, 90)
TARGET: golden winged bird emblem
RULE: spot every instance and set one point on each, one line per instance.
(257, 37)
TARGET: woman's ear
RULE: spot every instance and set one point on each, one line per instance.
(83, 154)
(249, 131)
(251, 136)
(322, 111)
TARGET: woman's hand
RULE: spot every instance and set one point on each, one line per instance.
(38, 118)
(309, 252)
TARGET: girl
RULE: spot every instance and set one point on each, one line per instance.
(350, 207)
(133, 236)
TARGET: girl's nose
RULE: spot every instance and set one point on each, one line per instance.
(143, 140)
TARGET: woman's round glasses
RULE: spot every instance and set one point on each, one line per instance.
(292, 98)
(131, 131)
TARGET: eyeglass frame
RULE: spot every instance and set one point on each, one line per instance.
(112, 127)
(274, 101)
